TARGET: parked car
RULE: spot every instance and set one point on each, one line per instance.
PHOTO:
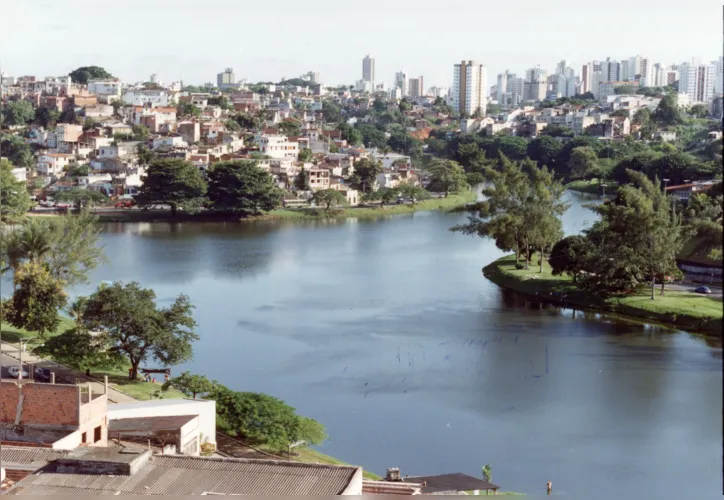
(42, 374)
(124, 204)
(702, 289)
(14, 372)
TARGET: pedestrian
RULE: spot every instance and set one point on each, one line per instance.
(549, 487)
(165, 378)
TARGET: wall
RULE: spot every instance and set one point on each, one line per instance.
(206, 410)
(44, 404)
(355, 485)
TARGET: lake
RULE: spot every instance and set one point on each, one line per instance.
(387, 332)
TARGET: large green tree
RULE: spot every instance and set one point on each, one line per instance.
(191, 385)
(668, 111)
(583, 163)
(81, 350)
(137, 328)
(173, 182)
(328, 197)
(365, 173)
(544, 150)
(46, 117)
(446, 176)
(85, 73)
(14, 198)
(17, 113)
(37, 299)
(241, 186)
(81, 197)
(704, 212)
(571, 255)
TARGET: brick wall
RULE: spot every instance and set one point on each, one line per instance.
(45, 404)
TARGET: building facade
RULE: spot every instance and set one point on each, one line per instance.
(469, 87)
(368, 69)
(697, 81)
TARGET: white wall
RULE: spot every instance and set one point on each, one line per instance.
(206, 411)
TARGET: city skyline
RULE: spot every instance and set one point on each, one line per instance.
(275, 57)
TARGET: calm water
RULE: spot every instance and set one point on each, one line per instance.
(387, 332)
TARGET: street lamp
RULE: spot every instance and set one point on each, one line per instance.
(23, 345)
(666, 181)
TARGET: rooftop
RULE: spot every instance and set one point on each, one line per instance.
(450, 482)
(177, 475)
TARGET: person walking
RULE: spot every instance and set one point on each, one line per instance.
(549, 487)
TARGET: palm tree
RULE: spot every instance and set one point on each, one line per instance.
(76, 308)
(36, 239)
(11, 251)
(487, 473)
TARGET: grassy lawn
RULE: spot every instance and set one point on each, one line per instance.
(13, 335)
(309, 455)
(593, 186)
(452, 201)
(675, 307)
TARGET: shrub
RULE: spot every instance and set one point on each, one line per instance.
(518, 265)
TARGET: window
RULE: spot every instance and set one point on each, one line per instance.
(84, 438)
(97, 434)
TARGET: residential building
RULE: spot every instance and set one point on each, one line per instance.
(157, 119)
(401, 82)
(311, 76)
(368, 69)
(135, 471)
(278, 146)
(57, 416)
(107, 90)
(416, 87)
(501, 87)
(697, 81)
(718, 76)
(143, 97)
(469, 87)
(319, 178)
(52, 164)
(586, 75)
(190, 131)
(226, 80)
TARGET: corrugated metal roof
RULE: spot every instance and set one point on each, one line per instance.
(29, 458)
(148, 424)
(176, 475)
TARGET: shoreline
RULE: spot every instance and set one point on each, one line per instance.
(452, 202)
(502, 272)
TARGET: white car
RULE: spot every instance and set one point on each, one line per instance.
(14, 372)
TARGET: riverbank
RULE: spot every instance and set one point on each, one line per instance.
(452, 202)
(679, 309)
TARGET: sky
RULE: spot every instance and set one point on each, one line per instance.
(192, 41)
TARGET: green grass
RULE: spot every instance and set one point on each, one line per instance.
(308, 455)
(14, 335)
(451, 202)
(504, 493)
(592, 186)
(688, 310)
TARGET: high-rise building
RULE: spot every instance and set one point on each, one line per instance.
(501, 87)
(535, 85)
(416, 87)
(536, 74)
(469, 87)
(697, 81)
(718, 75)
(311, 76)
(561, 67)
(401, 82)
(227, 79)
(368, 69)
(586, 74)
(614, 69)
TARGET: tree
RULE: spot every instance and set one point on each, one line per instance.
(240, 186)
(415, 193)
(520, 210)
(372, 137)
(81, 197)
(571, 256)
(305, 155)
(704, 212)
(637, 238)
(583, 162)
(365, 173)
(140, 132)
(384, 195)
(85, 73)
(191, 385)
(446, 176)
(185, 109)
(544, 150)
(331, 112)
(290, 128)
(350, 134)
(37, 299)
(699, 111)
(557, 131)
(173, 182)
(17, 113)
(668, 111)
(146, 155)
(232, 126)
(46, 117)
(263, 420)
(81, 350)
(247, 122)
(14, 198)
(379, 106)
(487, 473)
(301, 182)
(137, 328)
(328, 197)
(642, 117)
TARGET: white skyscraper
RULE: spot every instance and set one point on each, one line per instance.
(401, 82)
(470, 84)
(586, 75)
(368, 69)
(502, 87)
(718, 75)
(561, 67)
(697, 81)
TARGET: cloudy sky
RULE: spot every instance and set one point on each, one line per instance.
(268, 40)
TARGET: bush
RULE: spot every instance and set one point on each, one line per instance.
(518, 265)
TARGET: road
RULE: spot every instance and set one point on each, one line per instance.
(716, 291)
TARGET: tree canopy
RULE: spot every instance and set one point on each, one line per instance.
(241, 186)
(446, 176)
(85, 73)
(14, 198)
(173, 182)
(137, 328)
(17, 113)
(191, 385)
(328, 197)
(37, 299)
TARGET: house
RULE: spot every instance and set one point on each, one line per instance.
(278, 146)
(56, 416)
(52, 164)
(137, 471)
(190, 131)
(683, 192)
(445, 484)
(107, 90)
(147, 97)
(172, 141)
(319, 178)
(157, 119)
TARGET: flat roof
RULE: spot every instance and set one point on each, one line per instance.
(450, 482)
(180, 475)
(148, 424)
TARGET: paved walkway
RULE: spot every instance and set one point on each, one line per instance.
(65, 375)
